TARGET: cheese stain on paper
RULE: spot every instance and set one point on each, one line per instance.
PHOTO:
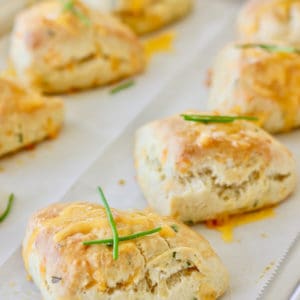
(159, 44)
(227, 225)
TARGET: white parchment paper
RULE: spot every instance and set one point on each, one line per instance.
(98, 138)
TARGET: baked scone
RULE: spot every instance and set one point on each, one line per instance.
(195, 171)
(255, 81)
(175, 263)
(26, 117)
(146, 15)
(58, 48)
(270, 20)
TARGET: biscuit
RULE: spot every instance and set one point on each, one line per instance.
(256, 82)
(270, 21)
(195, 172)
(175, 263)
(59, 49)
(26, 117)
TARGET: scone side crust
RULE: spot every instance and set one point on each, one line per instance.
(26, 117)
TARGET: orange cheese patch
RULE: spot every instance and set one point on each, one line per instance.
(159, 43)
(226, 226)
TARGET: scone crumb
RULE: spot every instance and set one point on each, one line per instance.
(208, 78)
(264, 235)
(267, 269)
(28, 277)
(121, 182)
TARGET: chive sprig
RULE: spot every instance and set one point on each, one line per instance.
(69, 6)
(11, 199)
(122, 86)
(112, 224)
(215, 119)
(116, 238)
(270, 48)
(123, 238)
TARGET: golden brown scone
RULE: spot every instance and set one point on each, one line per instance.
(59, 50)
(176, 263)
(270, 20)
(145, 15)
(256, 82)
(196, 172)
(26, 117)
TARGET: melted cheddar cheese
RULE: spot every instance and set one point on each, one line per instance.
(158, 44)
(227, 225)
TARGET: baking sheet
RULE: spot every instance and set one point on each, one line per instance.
(150, 98)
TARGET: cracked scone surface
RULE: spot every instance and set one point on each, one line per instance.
(172, 264)
(195, 171)
(26, 117)
(256, 82)
(55, 50)
(270, 21)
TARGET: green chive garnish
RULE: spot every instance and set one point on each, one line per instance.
(8, 207)
(112, 224)
(70, 6)
(175, 227)
(20, 138)
(122, 86)
(271, 48)
(216, 119)
(124, 238)
(116, 239)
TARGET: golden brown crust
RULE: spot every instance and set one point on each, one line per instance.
(64, 268)
(195, 141)
(197, 171)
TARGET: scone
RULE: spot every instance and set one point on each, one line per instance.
(145, 15)
(260, 82)
(26, 117)
(195, 171)
(270, 21)
(176, 263)
(59, 47)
